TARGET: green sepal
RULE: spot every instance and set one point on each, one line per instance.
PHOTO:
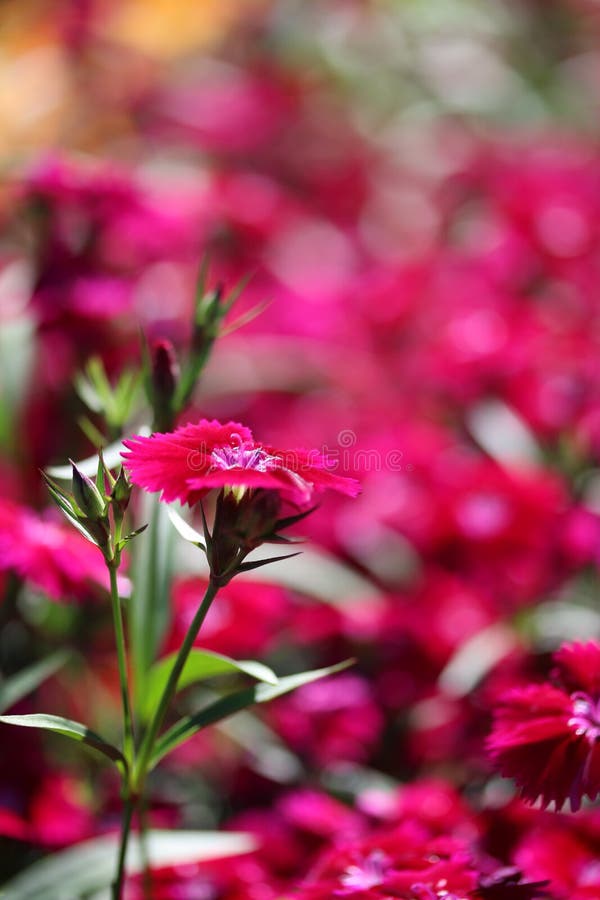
(248, 566)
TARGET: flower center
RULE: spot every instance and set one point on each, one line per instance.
(371, 873)
(243, 455)
(586, 716)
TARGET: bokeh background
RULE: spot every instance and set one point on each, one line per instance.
(414, 188)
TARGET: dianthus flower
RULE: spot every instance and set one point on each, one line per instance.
(401, 863)
(547, 737)
(187, 463)
(253, 480)
(48, 555)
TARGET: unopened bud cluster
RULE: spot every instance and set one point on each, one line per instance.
(96, 507)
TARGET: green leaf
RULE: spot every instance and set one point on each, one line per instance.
(232, 703)
(67, 510)
(89, 867)
(200, 664)
(69, 728)
(152, 574)
(235, 293)
(87, 392)
(247, 317)
(24, 682)
(132, 534)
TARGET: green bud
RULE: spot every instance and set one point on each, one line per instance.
(87, 496)
(121, 492)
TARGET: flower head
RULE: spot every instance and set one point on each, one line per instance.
(547, 737)
(187, 463)
(253, 480)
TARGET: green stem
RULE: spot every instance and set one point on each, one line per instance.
(171, 686)
(117, 887)
(143, 826)
(128, 738)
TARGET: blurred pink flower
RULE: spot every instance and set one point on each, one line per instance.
(50, 556)
(547, 738)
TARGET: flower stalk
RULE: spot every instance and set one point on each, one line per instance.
(147, 746)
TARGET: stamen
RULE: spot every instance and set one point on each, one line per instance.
(370, 873)
(586, 716)
(243, 456)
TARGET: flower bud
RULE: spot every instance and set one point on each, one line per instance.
(87, 496)
(209, 313)
(121, 493)
(164, 377)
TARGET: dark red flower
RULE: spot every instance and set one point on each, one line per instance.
(547, 737)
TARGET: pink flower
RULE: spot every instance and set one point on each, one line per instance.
(187, 463)
(330, 721)
(547, 737)
(565, 850)
(246, 621)
(49, 555)
(399, 863)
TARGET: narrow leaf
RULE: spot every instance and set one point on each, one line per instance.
(68, 513)
(201, 664)
(87, 392)
(93, 434)
(131, 535)
(68, 728)
(202, 279)
(236, 292)
(24, 682)
(247, 317)
(232, 703)
(152, 573)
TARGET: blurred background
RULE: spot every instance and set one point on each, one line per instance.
(414, 189)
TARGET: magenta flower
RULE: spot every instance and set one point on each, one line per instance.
(401, 863)
(547, 737)
(50, 556)
(187, 463)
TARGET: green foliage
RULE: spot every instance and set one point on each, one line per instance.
(200, 665)
(232, 703)
(27, 680)
(69, 728)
